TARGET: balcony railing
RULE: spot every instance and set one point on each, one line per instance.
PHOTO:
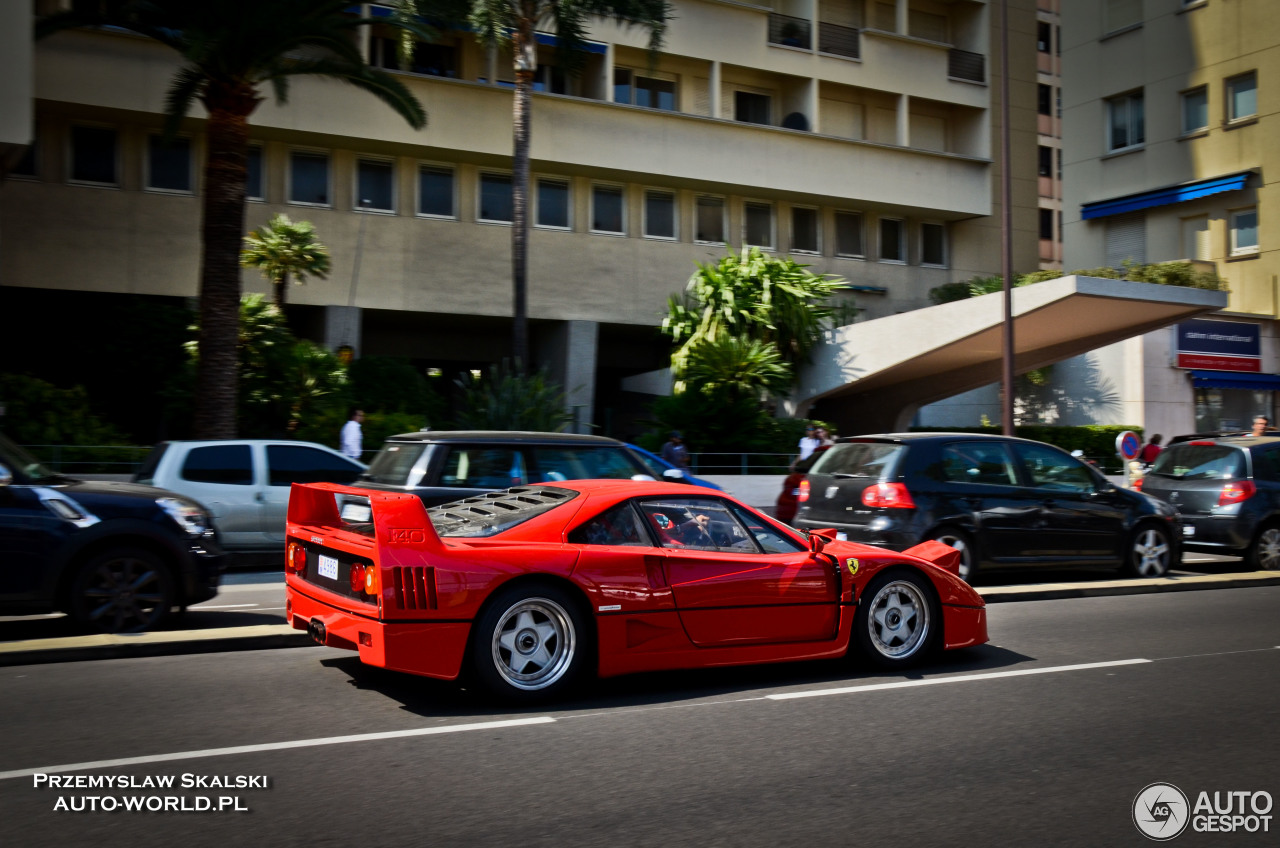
(789, 31)
(839, 40)
(961, 64)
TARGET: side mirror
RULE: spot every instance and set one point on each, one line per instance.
(674, 475)
(6, 476)
(817, 543)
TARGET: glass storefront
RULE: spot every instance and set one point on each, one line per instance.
(1231, 409)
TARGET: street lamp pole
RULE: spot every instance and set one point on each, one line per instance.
(1006, 229)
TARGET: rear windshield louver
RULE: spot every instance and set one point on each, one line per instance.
(415, 587)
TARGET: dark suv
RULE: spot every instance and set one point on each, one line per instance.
(115, 556)
(447, 465)
(1228, 492)
(1001, 501)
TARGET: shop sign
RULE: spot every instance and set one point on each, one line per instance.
(1220, 345)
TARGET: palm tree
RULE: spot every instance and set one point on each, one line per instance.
(281, 248)
(230, 49)
(513, 24)
(738, 369)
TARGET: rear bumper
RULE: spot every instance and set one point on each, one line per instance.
(1218, 534)
(428, 648)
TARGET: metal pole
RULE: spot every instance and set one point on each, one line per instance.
(1006, 228)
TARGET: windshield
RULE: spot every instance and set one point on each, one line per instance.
(19, 462)
(394, 463)
(859, 459)
(1199, 462)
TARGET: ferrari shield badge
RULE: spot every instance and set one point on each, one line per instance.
(852, 564)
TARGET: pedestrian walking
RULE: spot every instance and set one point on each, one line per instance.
(675, 452)
(351, 439)
(1151, 450)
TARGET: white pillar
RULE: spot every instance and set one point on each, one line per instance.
(714, 99)
(608, 72)
(904, 120)
(902, 20)
(342, 328)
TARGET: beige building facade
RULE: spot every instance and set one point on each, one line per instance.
(1170, 127)
(852, 135)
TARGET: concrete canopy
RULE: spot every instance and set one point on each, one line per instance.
(873, 376)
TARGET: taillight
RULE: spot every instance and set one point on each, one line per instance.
(371, 586)
(891, 495)
(357, 578)
(1136, 485)
(802, 494)
(1233, 493)
(295, 559)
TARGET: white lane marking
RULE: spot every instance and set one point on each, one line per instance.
(966, 678)
(275, 746)
(222, 606)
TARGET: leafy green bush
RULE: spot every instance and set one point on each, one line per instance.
(1182, 274)
(504, 399)
(385, 384)
(40, 413)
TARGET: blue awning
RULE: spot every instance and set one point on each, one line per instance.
(1235, 380)
(1163, 196)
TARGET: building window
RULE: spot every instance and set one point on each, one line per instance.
(1242, 97)
(1044, 36)
(1121, 14)
(893, 246)
(1046, 223)
(169, 165)
(1244, 232)
(933, 245)
(93, 155)
(757, 224)
(1126, 125)
(659, 214)
(849, 234)
(253, 162)
(638, 90)
(750, 107)
(1195, 110)
(804, 229)
(709, 220)
(1046, 161)
(606, 210)
(495, 198)
(375, 185)
(435, 191)
(1044, 99)
(308, 178)
(553, 204)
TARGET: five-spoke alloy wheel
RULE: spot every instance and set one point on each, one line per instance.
(1150, 552)
(530, 642)
(1265, 552)
(898, 621)
(124, 590)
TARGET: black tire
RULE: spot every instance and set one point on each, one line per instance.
(962, 542)
(531, 643)
(1149, 552)
(1264, 553)
(122, 590)
(899, 619)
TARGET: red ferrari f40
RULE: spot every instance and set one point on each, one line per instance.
(534, 587)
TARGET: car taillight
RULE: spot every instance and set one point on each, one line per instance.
(1136, 485)
(295, 560)
(1236, 492)
(371, 586)
(357, 578)
(802, 494)
(891, 495)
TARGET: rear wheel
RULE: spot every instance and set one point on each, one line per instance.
(530, 643)
(898, 621)
(968, 554)
(123, 590)
(1264, 553)
(1150, 552)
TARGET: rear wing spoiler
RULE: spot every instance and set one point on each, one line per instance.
(400, 522)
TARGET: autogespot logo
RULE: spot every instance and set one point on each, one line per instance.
(1160, 811)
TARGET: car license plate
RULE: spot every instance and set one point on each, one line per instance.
(842, 536)
(328, 567)
(1188, 530)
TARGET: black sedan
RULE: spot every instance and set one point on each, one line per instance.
(1001, 501)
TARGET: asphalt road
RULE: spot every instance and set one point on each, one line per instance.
(1012, 743)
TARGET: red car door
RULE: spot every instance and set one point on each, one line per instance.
(738, 581)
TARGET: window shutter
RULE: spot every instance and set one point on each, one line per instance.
(1126, 239)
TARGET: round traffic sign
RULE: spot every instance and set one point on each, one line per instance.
(1128, 445)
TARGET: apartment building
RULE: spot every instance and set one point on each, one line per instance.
(853, 135)
(1169, 119)
(1049, 131)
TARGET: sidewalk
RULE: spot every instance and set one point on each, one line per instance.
(271, 636)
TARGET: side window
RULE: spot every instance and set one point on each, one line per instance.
(554, 464)
(483, 468)
(1052, 469)
(700, 524)
(978, 462)
(618, 526)
(1266, 465)
(287, 464)
(770, 538)
(226, 464)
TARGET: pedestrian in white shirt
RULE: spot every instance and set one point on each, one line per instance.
(352, 435)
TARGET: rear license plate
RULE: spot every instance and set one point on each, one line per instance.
(1188, 530)
(328, 567)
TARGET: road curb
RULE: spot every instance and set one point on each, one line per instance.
(271, 636)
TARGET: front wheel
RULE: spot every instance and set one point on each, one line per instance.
(1264, 554)
(1150, 552)
(123, 590)
(898, 621)
(530, 643)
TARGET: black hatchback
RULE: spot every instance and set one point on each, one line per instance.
(1228, 493)
(1001, 501)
